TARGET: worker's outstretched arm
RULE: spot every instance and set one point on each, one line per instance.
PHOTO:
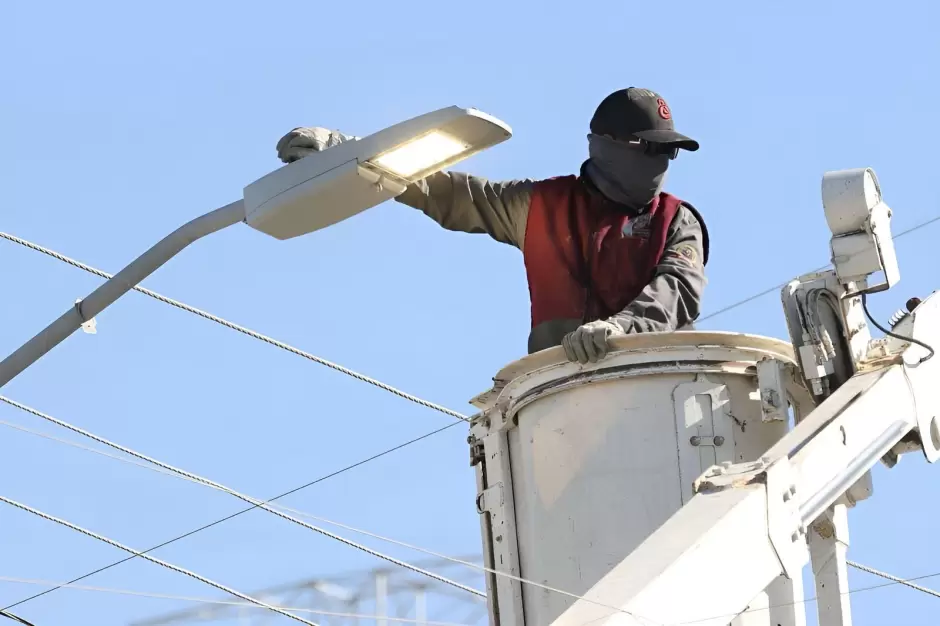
(470, 204)
(670, 301)
(673, 298)
(458, 202)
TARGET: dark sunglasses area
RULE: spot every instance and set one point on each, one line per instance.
(648, 147)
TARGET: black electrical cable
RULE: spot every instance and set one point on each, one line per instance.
(896, 336)
(15, 618)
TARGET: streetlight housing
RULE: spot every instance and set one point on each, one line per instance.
(329, 186)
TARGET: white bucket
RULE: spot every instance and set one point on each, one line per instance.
(577, 465)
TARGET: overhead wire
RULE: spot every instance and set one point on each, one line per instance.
(15, 618)
(263, 505)
(241, 329)
(160, 470)
(895, 579)
(237, 494)
(170, 566)
(216, 601)
(190, 533)
(165, 472)
(761, 294)
(79, 446)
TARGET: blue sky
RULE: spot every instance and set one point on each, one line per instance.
(119, 121)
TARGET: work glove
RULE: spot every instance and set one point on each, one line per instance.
(302, 142)
(589, 341)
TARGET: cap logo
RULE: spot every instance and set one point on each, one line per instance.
(664, 111)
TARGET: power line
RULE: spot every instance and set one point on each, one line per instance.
(250, 500)
(166, 596)
(15, 618)
(241, 512)
(160, 470)
(894, 579)
(155, 560)
(264, 505)
(245, 331)
(75, 444)
(769, 290)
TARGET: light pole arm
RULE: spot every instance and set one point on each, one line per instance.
(122, 282)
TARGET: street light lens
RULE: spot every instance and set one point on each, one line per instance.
(421, 154)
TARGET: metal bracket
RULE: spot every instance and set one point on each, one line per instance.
(490, 500)
(89, 327)
(785, 527)
(771, 380)
(702, 412)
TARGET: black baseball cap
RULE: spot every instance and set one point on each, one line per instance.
(640, 113)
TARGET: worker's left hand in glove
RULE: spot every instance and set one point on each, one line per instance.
(589, 342)
(302, 142)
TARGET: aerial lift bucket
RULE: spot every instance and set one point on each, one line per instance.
(577, 465)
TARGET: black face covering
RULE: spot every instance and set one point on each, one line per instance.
(623, 173)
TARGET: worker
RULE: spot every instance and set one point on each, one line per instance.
(606, 253)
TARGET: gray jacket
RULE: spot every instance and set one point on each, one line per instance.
(471, 204)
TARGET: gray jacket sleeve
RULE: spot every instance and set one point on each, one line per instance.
(673, 298)
(471, 204)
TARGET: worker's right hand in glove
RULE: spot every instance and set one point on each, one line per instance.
(302, 142)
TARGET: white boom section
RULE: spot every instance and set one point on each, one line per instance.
(747, 522)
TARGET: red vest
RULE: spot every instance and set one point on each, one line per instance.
(585, 260)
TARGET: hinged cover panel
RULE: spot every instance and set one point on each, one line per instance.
(704, 429)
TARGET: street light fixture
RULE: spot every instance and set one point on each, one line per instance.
(304, 196)
(361, 173)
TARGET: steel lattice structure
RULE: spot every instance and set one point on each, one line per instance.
(393, 593)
